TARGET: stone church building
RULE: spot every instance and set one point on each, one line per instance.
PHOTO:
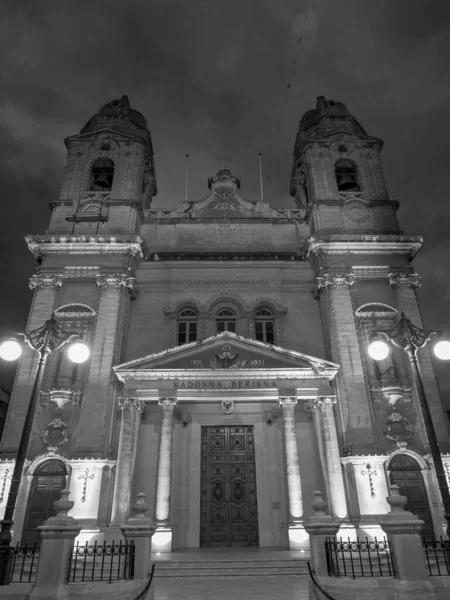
(229, 376)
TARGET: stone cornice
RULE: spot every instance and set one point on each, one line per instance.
(43, 245)
(363, 244)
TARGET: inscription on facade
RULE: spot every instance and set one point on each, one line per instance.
(233, 384)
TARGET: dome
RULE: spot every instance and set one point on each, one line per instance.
(119, 115)
(332, 111)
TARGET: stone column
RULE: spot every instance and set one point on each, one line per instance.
(58, 534)
(163, 535)
(140, 529)
(129, 429)
(333, 473)
(293, 470)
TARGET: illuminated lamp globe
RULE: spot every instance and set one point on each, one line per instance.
(10, 350)
(378, 349)
(442, 349)
(78, 352)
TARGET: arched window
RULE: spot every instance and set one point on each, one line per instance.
(264, 325)
(102, 175)
(346, 174)
(226, 320)
(187, 326)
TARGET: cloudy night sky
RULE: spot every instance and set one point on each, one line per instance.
(213, 75)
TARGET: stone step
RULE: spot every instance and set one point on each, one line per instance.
(230, 568)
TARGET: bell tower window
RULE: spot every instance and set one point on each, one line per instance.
(102, 175)
(346, 174)
(226, 320)
(187, 326)
(264, 325)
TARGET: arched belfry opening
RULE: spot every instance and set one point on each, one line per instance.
(102, 175)
(346, 173)
(48, 481)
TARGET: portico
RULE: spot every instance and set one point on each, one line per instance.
(252, 402)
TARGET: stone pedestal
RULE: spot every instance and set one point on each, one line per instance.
(140, 529)
(319, 527)
(403, 530)
(58, 534)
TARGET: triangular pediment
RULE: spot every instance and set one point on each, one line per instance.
(227, 352)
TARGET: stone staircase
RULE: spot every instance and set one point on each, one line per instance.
(227, 565)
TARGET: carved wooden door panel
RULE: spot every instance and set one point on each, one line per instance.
(407, 475)
(228, 487)
(45, 488)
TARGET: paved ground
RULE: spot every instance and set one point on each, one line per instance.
(283, 587)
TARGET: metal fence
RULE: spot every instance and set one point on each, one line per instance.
(23, 565)
(437, 556)
(359, 558)
(101, 562)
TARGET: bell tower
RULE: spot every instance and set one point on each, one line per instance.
(337, 174)
(110, 174)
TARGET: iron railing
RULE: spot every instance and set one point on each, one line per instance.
(359, 558)
(101, 562)
(437, 556)
(316, 584)
(23, 564)
(147, 585)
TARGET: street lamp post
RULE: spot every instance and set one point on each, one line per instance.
(410, 338)
(45, 340)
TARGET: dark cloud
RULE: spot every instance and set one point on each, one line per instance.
(212, 75)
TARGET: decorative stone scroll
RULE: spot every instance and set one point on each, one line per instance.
(46, 280)
(412, 279)
(133, 402)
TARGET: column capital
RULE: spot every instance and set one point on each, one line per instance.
(133, 402)
(116, 280)
(168, 402)
(413, 280)
(322, 401)
(326, 280)
(54, 280)
(286, 401)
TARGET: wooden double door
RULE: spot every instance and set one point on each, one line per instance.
(228, 508)
(406, 473)
(46, 485)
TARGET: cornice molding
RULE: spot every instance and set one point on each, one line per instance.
(363, 244)
(43, 245)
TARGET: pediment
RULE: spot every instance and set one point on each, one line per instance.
(227, 352)
(227, 204)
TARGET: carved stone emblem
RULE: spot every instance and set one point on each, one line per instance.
(399, 429)
(55, 434)
(356, 211)
(227, 406)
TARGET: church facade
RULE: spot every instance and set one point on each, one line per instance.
(229, 376)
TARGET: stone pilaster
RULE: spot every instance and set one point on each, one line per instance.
(405, 286)
(97, 398)
(293, 470)
(334, 291)
(46, 287)
(334, 476)
(129, 429)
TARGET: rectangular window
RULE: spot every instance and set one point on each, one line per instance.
(264, 331)
(226, 326)
(187, 332)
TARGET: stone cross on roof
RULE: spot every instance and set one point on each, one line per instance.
(224, 158)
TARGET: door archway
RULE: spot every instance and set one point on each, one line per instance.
(406, 473)
(48, 481)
